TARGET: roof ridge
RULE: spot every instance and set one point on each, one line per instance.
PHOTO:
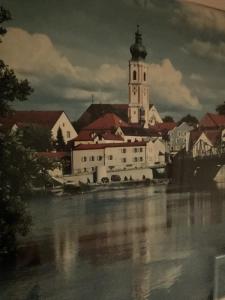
(210, 115)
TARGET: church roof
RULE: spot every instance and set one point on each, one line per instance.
(94, 111)
(107, 121)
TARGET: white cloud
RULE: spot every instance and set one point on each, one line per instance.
(167, 84)
(208, 50)
(34, 56)
(202, 18)
(217, 4)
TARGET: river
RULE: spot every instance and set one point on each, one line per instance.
(131, 244)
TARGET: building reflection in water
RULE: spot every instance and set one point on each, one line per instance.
(153, 231)
(134, 230)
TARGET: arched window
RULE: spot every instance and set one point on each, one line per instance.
(134, 75)
(144, 76)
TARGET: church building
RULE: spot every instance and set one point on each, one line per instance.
(138, 112)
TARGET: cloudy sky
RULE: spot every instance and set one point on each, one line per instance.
(73, 49)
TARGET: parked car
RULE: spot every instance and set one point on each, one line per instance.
(115, 178)
(105, 180)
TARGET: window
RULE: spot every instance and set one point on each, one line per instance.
(124, 160)
(134, 75)
(141, 158)
(144, 76)
(135, 150)
(110, 157)
(99, 158)
(135, 159)
(63, 124)
(68, 134)
(141, 149)
(123, 150)
(84, 158)
(92, 158)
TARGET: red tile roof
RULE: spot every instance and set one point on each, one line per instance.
(212, 121)
(90, 135)
(43, 118)
(164, 127)
(139, 131)
(214, 136)
(194, 136)
(85, 135)
(109, 136)
(107, 121)
(108, 145)
(53, 155)
(94, 111)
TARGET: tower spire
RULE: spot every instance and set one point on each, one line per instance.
(138, 110)
(137, 49)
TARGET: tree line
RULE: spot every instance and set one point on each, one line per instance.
(20, 168)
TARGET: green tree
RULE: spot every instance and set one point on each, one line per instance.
(168, 119)
(20, 168)
(189, 119)
(36, 137)
(221, 109)
(60, 143)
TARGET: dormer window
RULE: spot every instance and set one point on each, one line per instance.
(134, 75)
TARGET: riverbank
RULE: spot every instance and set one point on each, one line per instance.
(96, 187)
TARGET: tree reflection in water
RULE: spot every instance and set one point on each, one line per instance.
(148, 243)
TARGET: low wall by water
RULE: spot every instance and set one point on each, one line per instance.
(75, 179)
(134, 174)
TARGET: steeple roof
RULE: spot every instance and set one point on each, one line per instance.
(137, 49)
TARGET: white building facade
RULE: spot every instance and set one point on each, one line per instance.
(178, 137)
(127, 160)
(67, 128)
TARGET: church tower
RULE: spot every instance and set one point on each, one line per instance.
(138, 83)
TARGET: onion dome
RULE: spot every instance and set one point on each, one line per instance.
(138, 50)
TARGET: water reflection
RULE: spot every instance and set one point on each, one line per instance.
(148, 243)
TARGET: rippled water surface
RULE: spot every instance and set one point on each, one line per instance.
(145, 243)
